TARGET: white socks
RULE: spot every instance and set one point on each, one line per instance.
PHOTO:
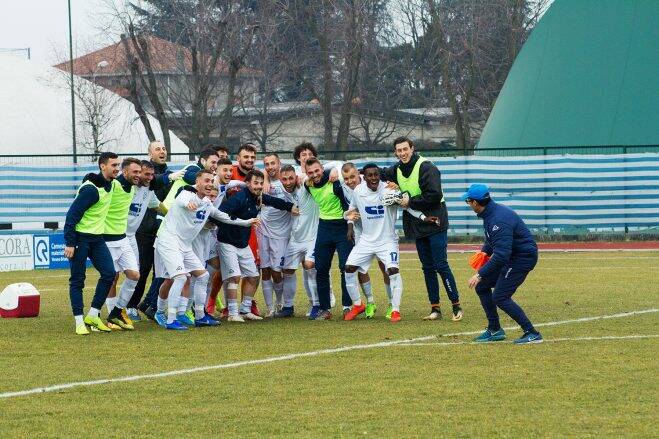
(110, 302)
(199, 294)
(268, 288)
(368, 292)
(126, 292)
(174, 296)
(310, 285)
(289, 284)
(232, 305)
(396, 290)
(352, 285)
(79, 320)
(246, 306)
(93, 312)
(279, 291)
(162, 304)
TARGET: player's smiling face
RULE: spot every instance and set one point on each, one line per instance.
(404, 151)
(315, 173)
(246, 159)
(288, 180)
(224, 173)
(305, 155)
(351, 177)
(204, 185)
(132, 173)
(110, 169)
(372, 177)
(146, 175)
(210, 163)
(272, 165)
(255, 186)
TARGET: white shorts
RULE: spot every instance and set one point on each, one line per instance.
(362, 255)
(170, 260)
(358, 233)
(297, 252)
(133, 244)
(123, 255)
(201, 245)
(236, 261)
(271, 251)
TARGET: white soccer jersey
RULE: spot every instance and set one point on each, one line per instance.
(378, 221)
(184, 225)
(223, 188)
(142, 200)
(276, 223)
(348, 194)
(305, 225)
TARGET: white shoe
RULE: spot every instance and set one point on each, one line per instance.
(250, 316)
(434, 315)
(235, 319)
(270, 314)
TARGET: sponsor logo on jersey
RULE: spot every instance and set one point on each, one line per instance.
(374, 210)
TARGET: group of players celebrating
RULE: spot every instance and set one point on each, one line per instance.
(228, 227)
(225, 227)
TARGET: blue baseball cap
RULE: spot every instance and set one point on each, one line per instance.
(476, 191)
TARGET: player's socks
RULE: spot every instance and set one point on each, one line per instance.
(232, 305)
(289, 284)
(313, 287)
(387, 289)
(268, 288)
(93, 312)
(278, 287)
(199, 294)
(174, 296)
(368, 291)
(246, 305)
(396, 290)
(110, 302)
(182, 305)
(125, 293)
(162, 304)
(352, 285)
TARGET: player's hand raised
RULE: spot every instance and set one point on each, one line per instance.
(334, 175)
(176, 175)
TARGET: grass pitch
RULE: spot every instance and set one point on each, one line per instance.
(574, 387)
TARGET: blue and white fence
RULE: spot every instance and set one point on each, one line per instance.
(554, 194)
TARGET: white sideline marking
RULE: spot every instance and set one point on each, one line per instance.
(551, 340)
(54, 388)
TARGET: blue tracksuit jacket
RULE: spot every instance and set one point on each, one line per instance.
(507, 240)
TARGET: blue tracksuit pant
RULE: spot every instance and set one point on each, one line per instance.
(497, 290)
(332, 236)
(433, 257)
(94, 248)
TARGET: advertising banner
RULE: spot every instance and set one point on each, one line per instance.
(16, 252)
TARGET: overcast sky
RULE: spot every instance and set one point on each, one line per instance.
(43, 25)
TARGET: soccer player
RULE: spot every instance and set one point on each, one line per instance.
(83, 236)
(145, 198)
(223, 183)
(207, 160)
(332, 232)
(378, 239)
(146, 232)
(420, 180)
(174, 256)
(513, 254)
(236, 259)
(351, 179)
(246, 158)
(272, 236)
(123, 256)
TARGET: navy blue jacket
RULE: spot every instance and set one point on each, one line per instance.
(507, 240)
(86, 198)
(243, 205)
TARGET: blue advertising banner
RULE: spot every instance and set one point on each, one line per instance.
(49, 252)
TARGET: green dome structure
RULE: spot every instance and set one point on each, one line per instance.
(585, 81)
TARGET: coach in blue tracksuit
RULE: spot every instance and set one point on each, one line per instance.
(513, 254)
